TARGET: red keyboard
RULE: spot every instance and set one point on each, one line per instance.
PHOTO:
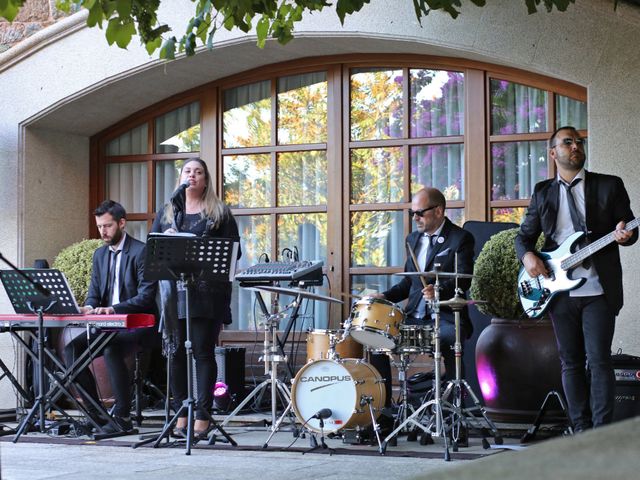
(117, 321)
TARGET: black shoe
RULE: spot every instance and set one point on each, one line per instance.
(122, 425)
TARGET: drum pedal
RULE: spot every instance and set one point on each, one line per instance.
(357, 436)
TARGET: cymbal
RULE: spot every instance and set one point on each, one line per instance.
(433, 274)
(459, 302)
(294, 292)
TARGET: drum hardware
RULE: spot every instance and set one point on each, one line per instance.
(271, 360)
(451, 399)
(434, 273)
(436, 402)
(462, 417)
(297, 292)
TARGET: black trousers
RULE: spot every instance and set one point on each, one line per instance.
(584, 329)
(114, 356)
(204, 337)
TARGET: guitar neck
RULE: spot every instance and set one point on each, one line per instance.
(592, 248)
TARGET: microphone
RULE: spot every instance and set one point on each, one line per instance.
(181, 188)
(323, 413)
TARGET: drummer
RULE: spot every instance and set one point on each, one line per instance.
(435, 243)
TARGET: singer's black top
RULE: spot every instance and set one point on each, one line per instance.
(209, 299)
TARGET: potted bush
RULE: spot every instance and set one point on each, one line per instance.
(75, 262)
(516, 357)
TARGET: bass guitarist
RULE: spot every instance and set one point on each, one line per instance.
(583, 318)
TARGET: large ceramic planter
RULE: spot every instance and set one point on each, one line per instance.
(517, 365)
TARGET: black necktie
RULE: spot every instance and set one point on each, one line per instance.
(111, 280)
(578, 224)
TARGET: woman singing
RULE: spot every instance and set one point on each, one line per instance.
(199, 211)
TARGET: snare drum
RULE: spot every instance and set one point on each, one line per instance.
(318, 345)
(415, 339)
(343, 386)
(375, 322)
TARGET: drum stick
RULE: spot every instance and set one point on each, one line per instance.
(415, 264)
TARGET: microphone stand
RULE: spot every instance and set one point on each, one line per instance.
(323, 445)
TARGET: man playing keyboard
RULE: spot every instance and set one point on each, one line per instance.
(117, 286)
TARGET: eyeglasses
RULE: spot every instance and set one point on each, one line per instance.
(421, 213)
(567, 142)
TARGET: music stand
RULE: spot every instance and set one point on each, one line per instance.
(38, 291)
(190, 258)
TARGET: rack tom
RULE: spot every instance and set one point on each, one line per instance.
(375, 322)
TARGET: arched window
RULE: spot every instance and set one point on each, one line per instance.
(319, 160)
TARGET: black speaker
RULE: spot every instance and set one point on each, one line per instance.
(230, 362)
(627, 369)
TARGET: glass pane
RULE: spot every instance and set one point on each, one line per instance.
(456, 215)
(439, 166)
(312, 314)
(517, 108)
(133, 142)
(302, 108)
(510, 214)
(167, 174)
(138, 229)
(376, 104)
(377, 175)
(437, 103)
(179, 130)
(302, 178)
(247, 115)
(516, 167)
(377, 239)
(305, 233)
(247, 180)
(126, 183)
(255, 240)
(571, 112)
(368, 284)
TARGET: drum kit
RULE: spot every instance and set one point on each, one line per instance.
(338, 391)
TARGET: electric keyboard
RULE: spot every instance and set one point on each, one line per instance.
(307, 270)
(116, 321)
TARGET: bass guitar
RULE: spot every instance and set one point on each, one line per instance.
(536, 293)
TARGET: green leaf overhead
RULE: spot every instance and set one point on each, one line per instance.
(274, 19)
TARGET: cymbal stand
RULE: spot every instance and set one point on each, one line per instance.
(456, 389)
(271, 360)
(436, 402)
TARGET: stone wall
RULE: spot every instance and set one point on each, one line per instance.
(33, 16)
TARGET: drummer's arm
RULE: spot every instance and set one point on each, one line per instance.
(377, 295)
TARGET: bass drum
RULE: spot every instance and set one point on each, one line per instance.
(341, 386)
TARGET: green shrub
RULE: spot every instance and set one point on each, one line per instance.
(496, 276)
(75, 262)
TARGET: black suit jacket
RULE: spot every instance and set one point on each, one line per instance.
(454, 239)
(607, 203)
(137, 295)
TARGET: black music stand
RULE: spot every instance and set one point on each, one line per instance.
(38, 291)
(188, 258)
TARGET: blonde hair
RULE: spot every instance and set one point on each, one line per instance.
(213, 208)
